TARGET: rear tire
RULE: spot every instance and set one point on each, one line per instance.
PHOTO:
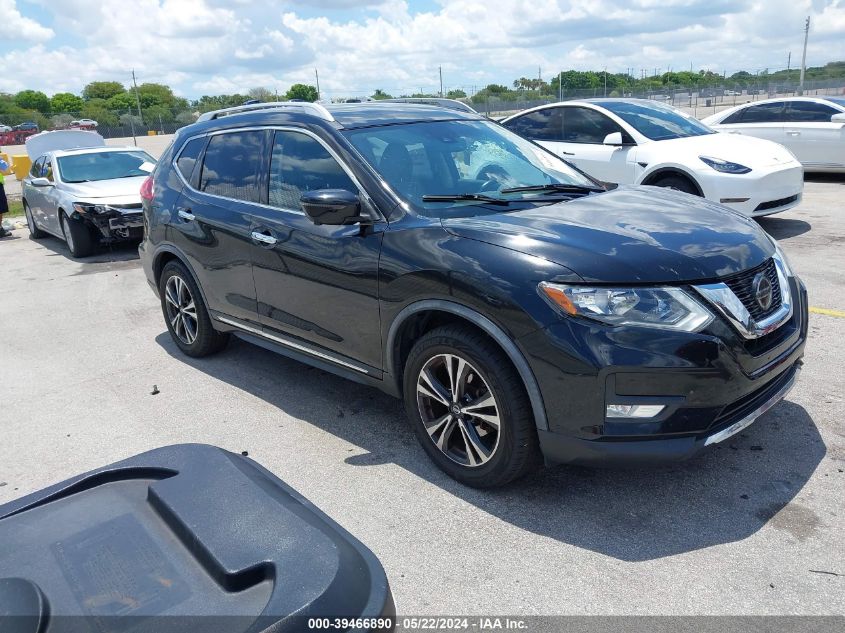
(80, 243)
(485, 436)
(678, 183)
(185, 313)
(34, 232)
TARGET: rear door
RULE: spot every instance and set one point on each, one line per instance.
(814, 139)
(212, 220)
(318, 284)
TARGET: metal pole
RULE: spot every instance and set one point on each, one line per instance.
(440, 70)
(317, 77)
(132, 125)
(137, 98)
(605, 81)
(560, 86)
(804, 57)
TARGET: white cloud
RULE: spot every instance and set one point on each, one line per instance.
(14, 26)
(206, 46)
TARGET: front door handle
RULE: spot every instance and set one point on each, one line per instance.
(263, 238)
(568, 153)
(793, 133)
(186, 215)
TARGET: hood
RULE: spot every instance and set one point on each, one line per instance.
(39, 144)
(629, 235)
(737, 148)
(118, 188)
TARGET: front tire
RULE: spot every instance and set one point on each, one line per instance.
(678, 183)
(34, 232)
(469, 408)
(185, 313)
(78, 237)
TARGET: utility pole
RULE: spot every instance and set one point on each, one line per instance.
(138, 99)
(440, 70)
(317, 77)
(605, 81)
(804, 57)
(560, 86)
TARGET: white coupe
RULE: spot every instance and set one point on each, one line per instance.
(812, 128)
(640, 142)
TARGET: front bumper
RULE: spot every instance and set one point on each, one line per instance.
(115, 225)
(712, 385)
(756, 194)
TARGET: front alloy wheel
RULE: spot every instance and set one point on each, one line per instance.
(469, 407)
(458, 410)
(181, 309)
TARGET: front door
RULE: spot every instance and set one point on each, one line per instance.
(814, 139)
(582, 143)
(316, 283)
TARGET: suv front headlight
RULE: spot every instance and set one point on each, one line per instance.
(664, 308)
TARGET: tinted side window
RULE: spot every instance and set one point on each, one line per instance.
(582, 125)
(232, 165)
(542, 125)
(736, 117)
(35, 170)
(763, 113)
(298, 164)
(808, 112)
(189, 156)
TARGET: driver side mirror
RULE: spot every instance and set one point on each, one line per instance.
(40, 182)
(333, 206)
(614, 138)
(839, 117)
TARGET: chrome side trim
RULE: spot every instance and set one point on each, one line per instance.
(721, 297)
(287, 343)
(736, 427)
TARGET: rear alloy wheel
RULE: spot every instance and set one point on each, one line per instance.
(469, 407)
(34, 232)
(78, 237)
(185, 314)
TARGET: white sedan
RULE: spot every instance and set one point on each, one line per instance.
(635, 141)
(812, 128)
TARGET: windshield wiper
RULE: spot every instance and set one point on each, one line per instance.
(554, 186)
(475, 197)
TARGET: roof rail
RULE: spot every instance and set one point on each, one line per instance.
(316, 109)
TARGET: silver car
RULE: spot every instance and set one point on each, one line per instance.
(86, 196)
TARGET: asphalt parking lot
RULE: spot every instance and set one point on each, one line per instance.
(752, 527)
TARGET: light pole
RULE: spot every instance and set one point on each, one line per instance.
(804, 57)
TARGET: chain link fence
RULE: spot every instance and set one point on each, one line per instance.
(108, 123)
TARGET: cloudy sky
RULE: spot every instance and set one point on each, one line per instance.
(213, 46)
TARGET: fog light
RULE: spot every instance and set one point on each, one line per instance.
(633, 410)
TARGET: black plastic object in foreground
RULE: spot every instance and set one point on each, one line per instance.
(182, 538)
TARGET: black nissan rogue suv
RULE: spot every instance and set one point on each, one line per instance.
(519, 309)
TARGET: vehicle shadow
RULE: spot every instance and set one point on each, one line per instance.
(836, 179)
(103, 253)
(725, 495)
(783, 228)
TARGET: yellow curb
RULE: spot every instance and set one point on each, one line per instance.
(826, 312)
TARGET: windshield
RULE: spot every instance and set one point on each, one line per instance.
(837, 101)
(657, 121)
(103, 166)
(454, 158)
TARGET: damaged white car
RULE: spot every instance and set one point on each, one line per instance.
(83, 192)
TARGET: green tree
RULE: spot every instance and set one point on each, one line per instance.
(33, 100)
(98, 110)
(65, 102)
(261, 94)
(102, 90)
(456, 94)
(380, 94)
(156, 115)
(303, 92)
(155, 94)
(122, 102)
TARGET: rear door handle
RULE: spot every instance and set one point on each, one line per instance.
(793, 133)
(568, 153)
(186, 215)
(263, 238)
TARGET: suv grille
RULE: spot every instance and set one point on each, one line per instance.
(742, 286)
